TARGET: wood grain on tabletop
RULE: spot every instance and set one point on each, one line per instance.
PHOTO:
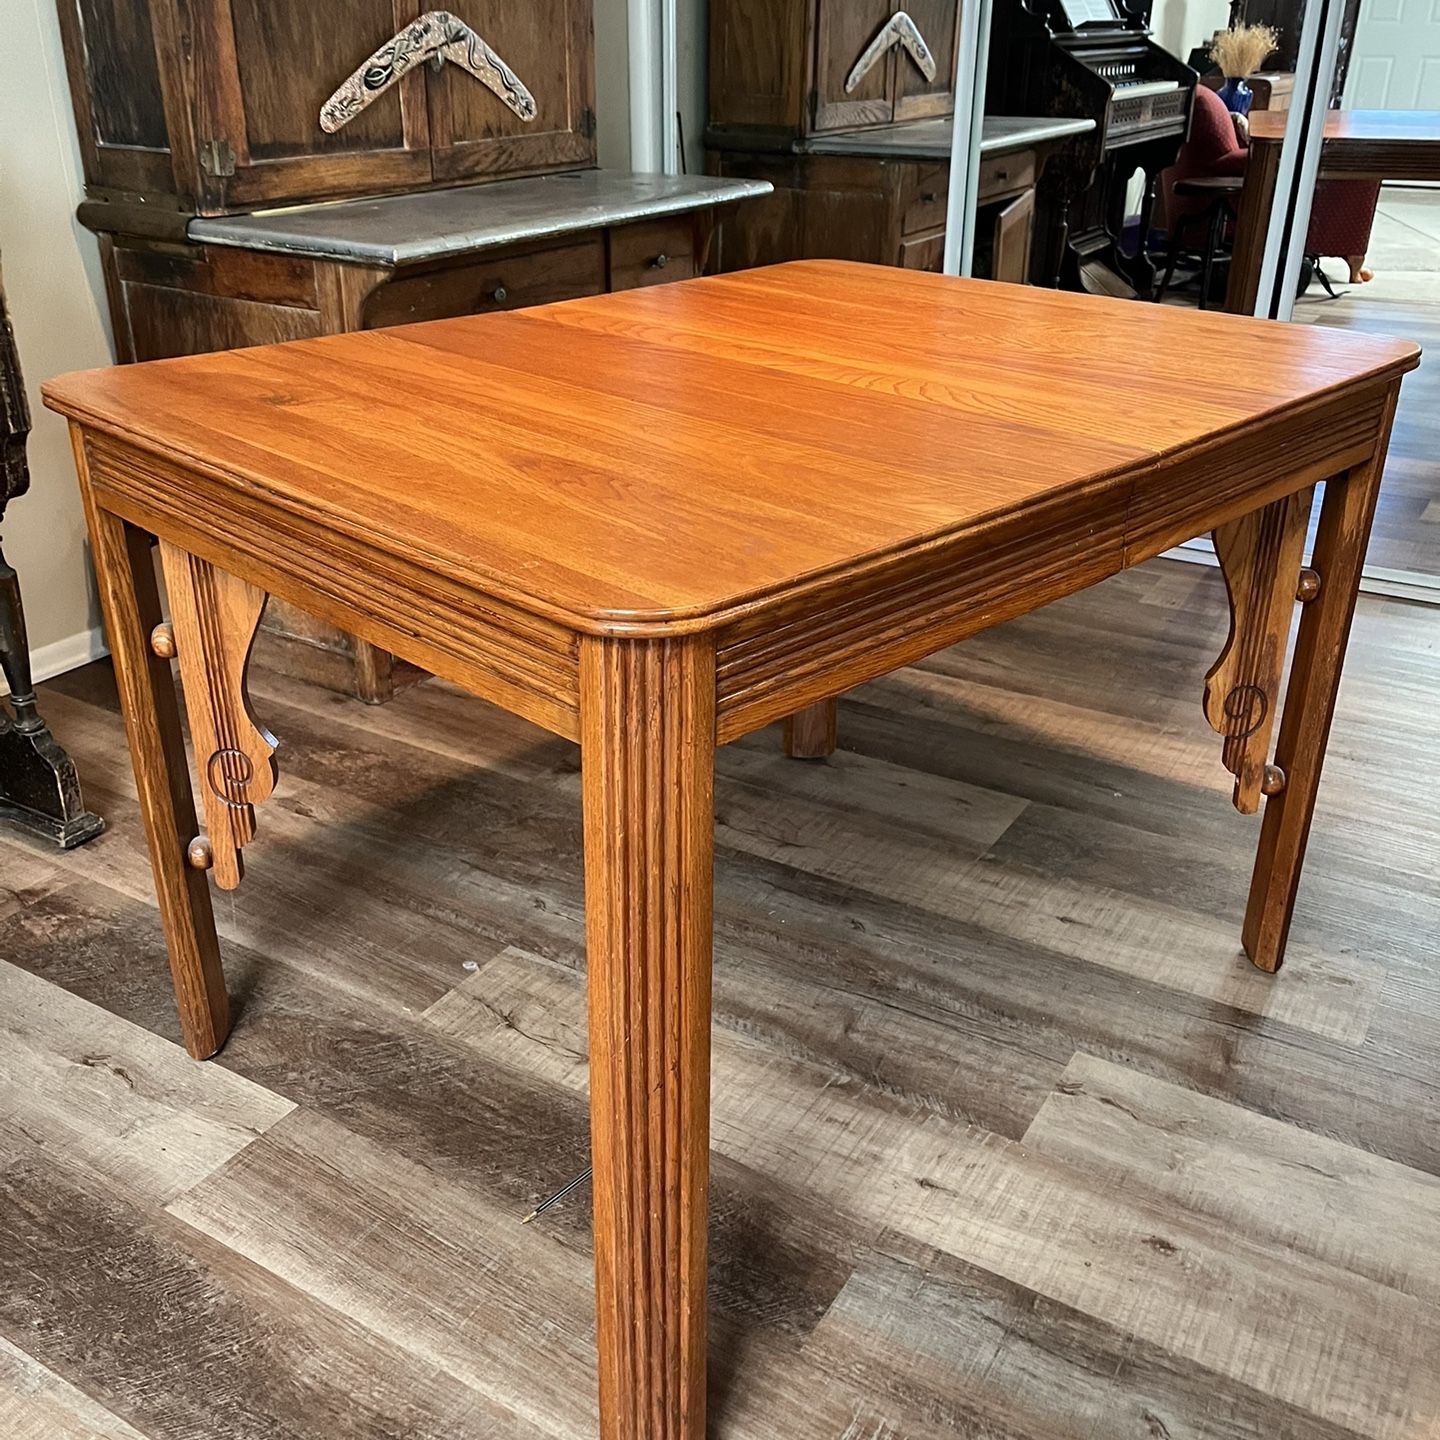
(670, 452)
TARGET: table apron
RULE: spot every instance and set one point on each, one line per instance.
(775, 655)
(519, 661)
(786, 656)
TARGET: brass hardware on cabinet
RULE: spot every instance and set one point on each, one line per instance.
(1272, 780)
(1309, 586)
(500, 295)
(162, 640)
(217, 158)
(198, 854)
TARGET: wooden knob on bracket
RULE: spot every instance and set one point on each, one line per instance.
(162, 640)
(1272, 780)
(198, 854)
(1309, 585)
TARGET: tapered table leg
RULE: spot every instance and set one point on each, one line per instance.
(1339, 555)
(125, 569)
(1257, 200)
(648, 752)
(812, 733)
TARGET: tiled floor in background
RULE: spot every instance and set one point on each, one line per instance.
(1403, 299)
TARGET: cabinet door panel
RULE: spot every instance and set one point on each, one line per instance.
(292, 57)
(261, 69)
(924, 252)
(843, 29)
(127, 105)
(1014, 228)
(548, 44)
(916, 97)
(114, 74)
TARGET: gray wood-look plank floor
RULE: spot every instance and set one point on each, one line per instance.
(1009, 1140)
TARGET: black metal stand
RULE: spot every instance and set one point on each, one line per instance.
(39, 789)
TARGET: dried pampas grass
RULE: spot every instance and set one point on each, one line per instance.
(1242, 50)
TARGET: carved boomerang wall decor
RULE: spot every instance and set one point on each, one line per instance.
(437, 35)
(899, 29)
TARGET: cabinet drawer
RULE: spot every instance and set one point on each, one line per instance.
(1006, 174)
(924, 199)
(500, 282)
(923, 252)
(652, 252)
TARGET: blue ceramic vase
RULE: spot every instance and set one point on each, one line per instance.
(1237, 95)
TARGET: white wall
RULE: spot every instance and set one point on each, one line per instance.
(56, 299)
(612, 84)
(1180, 25)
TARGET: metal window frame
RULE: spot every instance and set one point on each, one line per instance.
(654, 86)
(1299, 156)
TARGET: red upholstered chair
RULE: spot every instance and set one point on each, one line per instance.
(1211, 151)
(1341, 220)
(1201, 191)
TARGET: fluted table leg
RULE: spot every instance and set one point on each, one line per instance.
(648, 750)
(129, 596)
(1339, 557)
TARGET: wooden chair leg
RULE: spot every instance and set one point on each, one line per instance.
(129, 596)
(647, 758)
(1339, 555)
(1214, 236)
(812, 733)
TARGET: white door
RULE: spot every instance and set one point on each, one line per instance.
(1396, 61)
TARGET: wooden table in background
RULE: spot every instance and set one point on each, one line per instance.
(652, 522)
(1359, 145)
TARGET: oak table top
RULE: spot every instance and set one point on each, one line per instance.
(653, 521)
(1358, 145)
(1356, 127)
(669, 455)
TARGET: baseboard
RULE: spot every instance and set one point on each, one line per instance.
(68, 654)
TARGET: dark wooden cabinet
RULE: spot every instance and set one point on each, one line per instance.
(211, 106)
(434, 200)
(917, 98)
(781, 65)
(886, 210)
(548, 44)
(843, 28)
(863, 175)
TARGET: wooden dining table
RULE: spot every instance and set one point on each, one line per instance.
(1357, 145)
(652, 522)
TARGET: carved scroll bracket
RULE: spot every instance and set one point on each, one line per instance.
(214, 617)
(1260, 557)
(899, 29)
(436, 36)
